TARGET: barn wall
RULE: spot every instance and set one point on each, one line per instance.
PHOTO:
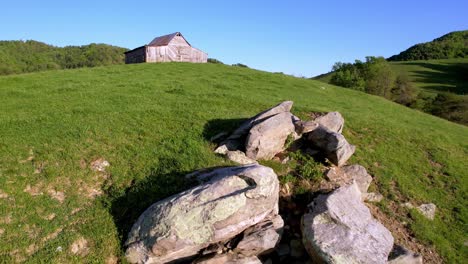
(181, 53)
(136, 56)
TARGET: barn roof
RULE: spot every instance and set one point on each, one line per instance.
(164, 40)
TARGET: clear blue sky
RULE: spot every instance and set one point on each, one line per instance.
(296, 37)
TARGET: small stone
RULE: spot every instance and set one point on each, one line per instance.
(373, 197)
(59, 249)
(428, 210)
(239, 157)
(223, 150)
(408, 205)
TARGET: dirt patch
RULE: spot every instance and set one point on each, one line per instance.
(6, 219)
(112, 260)
(57, 195)
(3, 195)
(403, 236)
(100, 165)
(80, 247)
(34, 190)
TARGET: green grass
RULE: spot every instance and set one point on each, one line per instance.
(449, 75)
(153, 122)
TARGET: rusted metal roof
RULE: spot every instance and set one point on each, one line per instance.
(164, 40)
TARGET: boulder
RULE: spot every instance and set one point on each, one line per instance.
(228, 201)
(239, 157)
(347, 174)
(333, 121)
(340, 229)
(401, 255)
(333, 144)
(267, 138)
(243, 129)
(261, 238)
(428, 210)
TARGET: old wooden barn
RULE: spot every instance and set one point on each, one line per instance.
(172, 47)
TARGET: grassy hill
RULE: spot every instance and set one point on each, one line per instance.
(450, 75)
(450, 46)
(153, 122)
(31, 56)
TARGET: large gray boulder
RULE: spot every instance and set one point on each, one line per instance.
(341, 229)
(334, 145)
(334, 121)
(267, 138)
(243, 129)
(228, 201)
(347, 174)
(234, 141)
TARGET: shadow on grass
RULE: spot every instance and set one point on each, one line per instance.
(127, 207)
(216, 126)
(450, 77)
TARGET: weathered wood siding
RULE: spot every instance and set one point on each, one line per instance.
(175, 53)
(177, 49)
(136, 56)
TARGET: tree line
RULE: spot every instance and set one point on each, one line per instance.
(375, 76)
(31, 56)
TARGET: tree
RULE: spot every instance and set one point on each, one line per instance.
(404, 92)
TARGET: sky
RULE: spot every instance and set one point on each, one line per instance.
(303, 38)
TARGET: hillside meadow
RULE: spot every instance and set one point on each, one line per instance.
(153, 123)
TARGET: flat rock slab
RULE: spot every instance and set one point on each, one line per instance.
(227, 202)
(341, 229)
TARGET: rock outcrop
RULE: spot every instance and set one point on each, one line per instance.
(228, 201)
(232, 215)
(340, 229)
(264, 135)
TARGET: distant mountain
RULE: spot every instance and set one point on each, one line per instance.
(450, 46)
(29, 56)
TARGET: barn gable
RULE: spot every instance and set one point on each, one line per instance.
(170, 39)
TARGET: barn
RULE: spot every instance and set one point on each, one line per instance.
(172, 47)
